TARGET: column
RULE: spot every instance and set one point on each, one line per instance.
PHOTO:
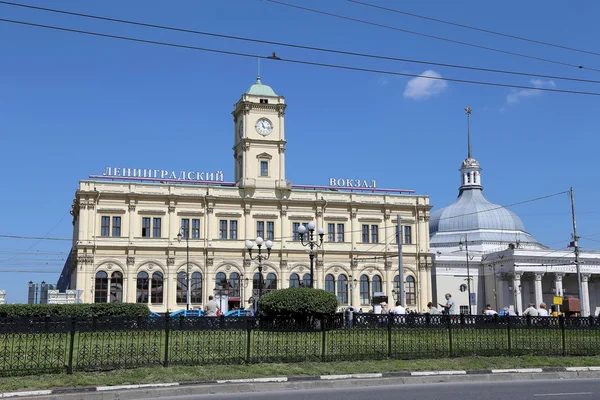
(389, 282)
(517, 292)
(355, 295)
(558, 283)
(585, 295)
(319, 274)
(539, 298)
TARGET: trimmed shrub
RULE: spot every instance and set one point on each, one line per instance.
(75, 310)
(298, 302)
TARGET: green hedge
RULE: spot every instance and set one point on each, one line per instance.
(75, 310)
(295, 302)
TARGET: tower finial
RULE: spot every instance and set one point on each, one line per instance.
(468, 112)
(258, 76)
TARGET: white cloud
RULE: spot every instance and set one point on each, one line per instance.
(423, 88)
(517, 94)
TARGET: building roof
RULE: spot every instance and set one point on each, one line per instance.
(260, 89)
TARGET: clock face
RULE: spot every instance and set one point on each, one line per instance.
(264, 126)
(241, 128)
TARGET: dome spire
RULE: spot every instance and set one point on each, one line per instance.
(468, 112)
(258, 68)
(470, 170)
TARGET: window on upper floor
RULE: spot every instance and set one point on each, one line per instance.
(105, 226)
(268, 233)
(145, 227)
(185, 228)
(407, 233)
(264, 101)
(156, 227)
(370, 234)
(264, 168)
(334, 235)
(228, 229)
(295, 226)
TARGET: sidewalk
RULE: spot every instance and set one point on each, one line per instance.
(264, 384)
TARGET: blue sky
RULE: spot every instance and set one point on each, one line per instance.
(70, 105)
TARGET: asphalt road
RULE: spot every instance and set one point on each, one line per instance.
(563, 389)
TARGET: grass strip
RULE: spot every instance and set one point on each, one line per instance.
(212, 372)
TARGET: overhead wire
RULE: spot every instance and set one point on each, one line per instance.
(476, 28)
(303, 47)
(432, 36)
(301, 62)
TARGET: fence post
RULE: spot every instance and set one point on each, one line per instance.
(508, 334)
(561, 323)
(390, 320)
(323, 338)
(248, 334)
(71, 346)
(167, 331)
(449, 319)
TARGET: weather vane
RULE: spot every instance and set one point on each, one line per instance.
(468, 110)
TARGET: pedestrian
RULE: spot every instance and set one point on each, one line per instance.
(489, 311)
(384, 308)
(399, 309)
(531, 311)
(210, 309)
(449, 304)
(542, 311)
(432, 309)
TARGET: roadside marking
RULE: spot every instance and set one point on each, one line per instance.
(253, 380)
(432, 373)
(350, 376)
(501, 371)
(563, 394)
(140, 386)
(23, 394)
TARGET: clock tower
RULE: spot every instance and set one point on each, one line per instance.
(259, 149)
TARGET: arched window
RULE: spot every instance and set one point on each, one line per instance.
(234, 284)
(397, 283)
(142, 287)
(342, 289)
(330, 283)
(196, 288)
(364, 290)
(101, 287)
(116, 287)
(271, 282)
(376, 284)
(181, 288)
(294, 280)
(306, 280)
(221, 280)
(156, 294)
(409, 291)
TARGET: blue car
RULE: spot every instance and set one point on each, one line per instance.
(239, 313)
(187, 313)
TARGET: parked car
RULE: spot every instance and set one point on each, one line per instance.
(239, 313)
(187, 313)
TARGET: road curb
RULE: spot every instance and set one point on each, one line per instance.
(275, 382)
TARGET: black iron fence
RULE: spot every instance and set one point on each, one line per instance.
(33, 345)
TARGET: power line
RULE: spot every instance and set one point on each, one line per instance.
(475, 28)
(303, 47)
(32, 237)
(301, 62)
(432, 36)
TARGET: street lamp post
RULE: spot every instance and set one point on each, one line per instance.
(311, 243)
(468, 273)
(260, 257)
(187, 266)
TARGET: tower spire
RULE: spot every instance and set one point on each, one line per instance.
(258, 76)
(468, 112)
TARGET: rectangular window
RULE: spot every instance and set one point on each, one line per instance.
(116, 231)
(365, 233)
(156, 225)
(295, 226)
(374, 234)
(260, 229)
(264, 101)
(340, 232)
(270, 230)
(464, 310)
(145, 227)
(233, 230)
(407, 235)
(331, 232)
(105, 227)
(264, 168)
(195, 229)
(223, 229)
(185, 228)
